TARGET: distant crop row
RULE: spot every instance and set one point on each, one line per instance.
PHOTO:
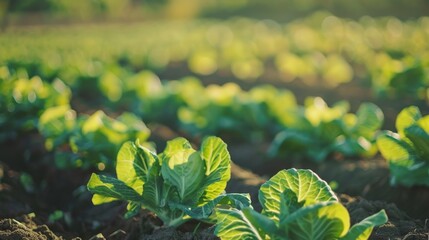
(263, 114)
(252, 116)
(389, 55)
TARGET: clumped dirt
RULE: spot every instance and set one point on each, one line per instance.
(173, 234)
(11, 229)
(399, 226)
(370, 179)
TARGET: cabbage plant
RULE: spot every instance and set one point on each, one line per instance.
(88, 141)
(297, 205)
(407, 151)
(225, 110)
(23, 99)
(178, 184)
(318, 130)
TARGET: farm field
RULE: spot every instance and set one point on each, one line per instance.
(204, 129)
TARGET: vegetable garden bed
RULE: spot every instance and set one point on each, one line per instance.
(81, 219)
(73, 124)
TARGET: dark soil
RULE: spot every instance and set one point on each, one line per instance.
(25, 228)
(370, 179)
(170, 233)
(399, 226)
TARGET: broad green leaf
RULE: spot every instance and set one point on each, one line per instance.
(289, 203)
(232, 200)
(134, 164)
(111, 86)
(315, 110)
(245, 224)
(318, 111)
(369, 119)
(102, 129)
(135, 124)
(307, 186)
(405, 166)
(418, 174)
(184, 170)
(294, 118)
(153, 188)
(420, 140)
(406, 118)
(56, 120)
(145, 84)
(174, 146)
(424, 123)
(363, 229)
(56, 125)
(107, 189)
(94, 122)
(322, 221)
(329, 131)
(355, 146)
(394, 150)
(218, 167)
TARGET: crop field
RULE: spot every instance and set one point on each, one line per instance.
(240, 128)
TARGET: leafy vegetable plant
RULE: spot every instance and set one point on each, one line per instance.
(407, 151)
(225, 109)
(319, 130)
(23, 99)
(177, 184)
(297, 205)
(88, 141)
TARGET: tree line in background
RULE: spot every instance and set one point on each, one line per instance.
(55, 5)
(46, 11)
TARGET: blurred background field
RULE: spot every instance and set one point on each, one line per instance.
(298, 83)
(358, 51)
(49, 11)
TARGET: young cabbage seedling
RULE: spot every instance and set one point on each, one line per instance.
(297, 205)
(178, 184)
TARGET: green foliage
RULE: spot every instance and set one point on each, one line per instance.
(407, 151)
(296, 204)
(56, 124)
(177, 184)
(23, 99)
(321, 50)
(319, 130)
(31, 5)
(228, 110)
(88, 142)
(303, 186)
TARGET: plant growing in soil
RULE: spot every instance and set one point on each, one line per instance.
(297, 204)
(319, 130)
(407, 151)
(225, 109)
(23, 99)
(177, 184)
(87, 142)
